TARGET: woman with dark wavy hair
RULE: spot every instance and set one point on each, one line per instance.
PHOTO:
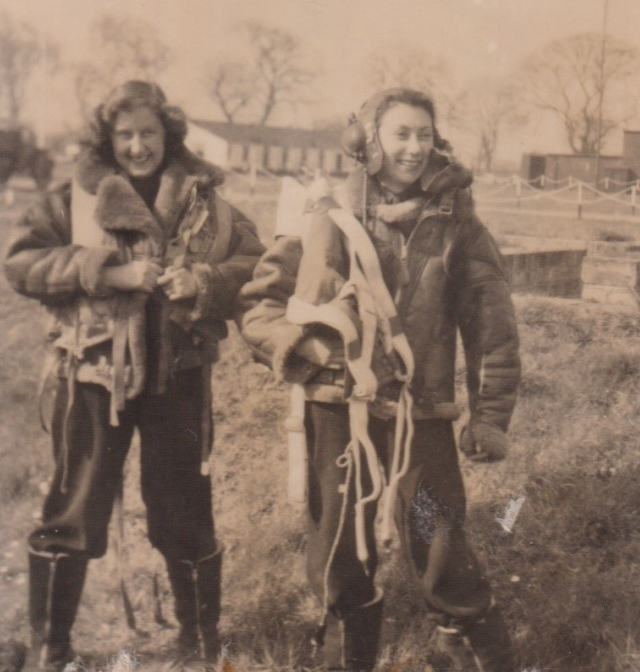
(139, 262)
(381, 274)
(172, 118)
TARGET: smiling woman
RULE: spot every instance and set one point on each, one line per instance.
(139, 262)
(383, 275)
(406, 137)
(138, 142)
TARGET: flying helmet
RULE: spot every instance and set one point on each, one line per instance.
(360, 139)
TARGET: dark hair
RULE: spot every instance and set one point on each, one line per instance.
(126, 98)
(413, 98)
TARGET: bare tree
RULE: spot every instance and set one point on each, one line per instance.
(278, 57)
(415, 67)
(573, 77)
(273, 75)
(486, 109)
(122, 48)
(20, 51)
(231, 86)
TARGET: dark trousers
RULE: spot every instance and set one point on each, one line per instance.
(88, 470)
(429, 515)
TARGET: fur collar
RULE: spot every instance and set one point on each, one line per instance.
(92, 168)
(441, 174)
(119, 207)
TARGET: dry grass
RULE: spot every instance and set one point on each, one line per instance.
(545, 226)
(568, 576)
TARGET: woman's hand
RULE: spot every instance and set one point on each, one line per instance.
(482, 442)
(178, 284)
(139, 275)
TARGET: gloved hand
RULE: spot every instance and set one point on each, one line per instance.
(325, 351)
(482, 442)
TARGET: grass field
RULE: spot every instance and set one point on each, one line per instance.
(567, 577)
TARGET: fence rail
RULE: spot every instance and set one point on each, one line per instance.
(570, 197)
(575, 196)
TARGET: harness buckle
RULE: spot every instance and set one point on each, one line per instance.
(359, 394)
(401, 377)
(445, 210)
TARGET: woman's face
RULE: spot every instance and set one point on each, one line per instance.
(138, 141)
(406, 137)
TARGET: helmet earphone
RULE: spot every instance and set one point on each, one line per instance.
(360, 139)
(354, 140)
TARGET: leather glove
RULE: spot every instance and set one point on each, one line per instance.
(325, 351)
(482, 442)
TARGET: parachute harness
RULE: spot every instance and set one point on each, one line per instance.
(376, 313)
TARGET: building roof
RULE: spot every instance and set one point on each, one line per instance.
(580, 156)
(246, 134)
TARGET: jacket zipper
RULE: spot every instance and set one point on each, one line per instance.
(407, 290)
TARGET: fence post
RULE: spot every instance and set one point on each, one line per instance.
(253, 180)
(634, 198)
(542, 181)
(606, 184)
(9, 196)
(579, 200)
(518, 189)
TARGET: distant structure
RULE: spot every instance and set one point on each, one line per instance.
(283, 151)
(207, 145)
(19, 153)
(550, 170)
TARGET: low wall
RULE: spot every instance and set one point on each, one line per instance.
(545, 266)
(611, 272)
(554, 273)
(600, 271)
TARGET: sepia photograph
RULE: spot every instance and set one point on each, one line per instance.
(320, 336)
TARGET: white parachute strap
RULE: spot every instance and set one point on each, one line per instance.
(297, 447)
(358, 361)
(346, 324)
(359, 407)
(366, 275)
(376, 309)
(390, 325)
(403, 439)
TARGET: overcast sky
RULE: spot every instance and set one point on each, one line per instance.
(476, 37)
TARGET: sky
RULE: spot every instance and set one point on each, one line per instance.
(476, 37)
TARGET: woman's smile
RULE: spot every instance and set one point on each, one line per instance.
(406, 137)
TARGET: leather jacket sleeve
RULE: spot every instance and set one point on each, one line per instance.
(263, 323)
(42, 263)
(488, 326)
(229, 276)
(314, 277)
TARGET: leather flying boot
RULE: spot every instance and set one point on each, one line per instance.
(480, 646)
(351, 642)
(452, 643)
(208, 578)
(183, 584)
(56, 581)
(196, 591)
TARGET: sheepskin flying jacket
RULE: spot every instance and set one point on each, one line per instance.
(150, 335)
(445, 272)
